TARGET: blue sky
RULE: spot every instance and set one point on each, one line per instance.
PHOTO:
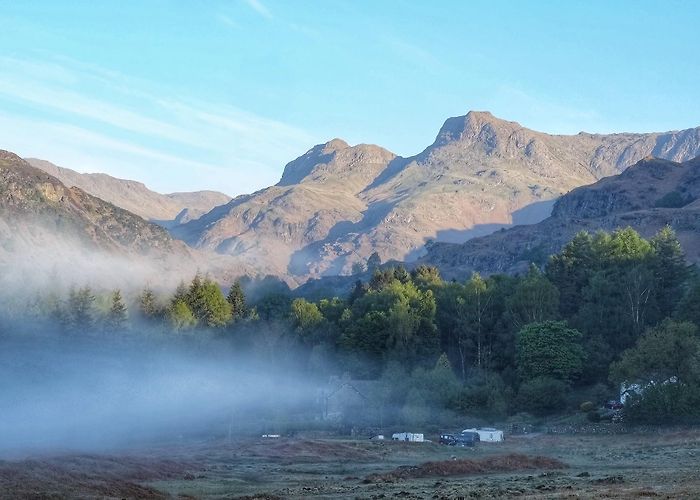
(221, 94)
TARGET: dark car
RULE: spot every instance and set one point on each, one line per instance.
(614, 405)
(448, 439)
(460, 439)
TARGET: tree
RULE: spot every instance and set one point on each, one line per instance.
(373, 262)
(476, 309)
(484, 395)
(542, 395)
(274, 307)
(450, 322)
(392, 323)
(624, 245)
(402, 275)
(305, 316)
(639, 287)
(207, 303)
(688, 308)
(236, 298)
(148, 305)
(665, 363)
(669, 350)
(80, 309)
(534, 299)
(180, 292)
(670, 270)
(358, 291)
(571, 270)
(358, 268)
(426, 277)
(549, 349)
(180, 316)
(382, 278)
(116, 316)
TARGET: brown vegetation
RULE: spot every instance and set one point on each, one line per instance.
(462, 467)
(88, 476)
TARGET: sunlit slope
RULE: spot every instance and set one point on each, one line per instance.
(337, 204)
(648, 196)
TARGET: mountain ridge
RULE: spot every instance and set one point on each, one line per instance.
(134, 196)
(647, 196)
(337, 203)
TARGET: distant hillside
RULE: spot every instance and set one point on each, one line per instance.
(53, 232)
(337, 204)
(647, 196)
(135, 196)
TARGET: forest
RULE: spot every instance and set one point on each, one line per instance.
(610, 308)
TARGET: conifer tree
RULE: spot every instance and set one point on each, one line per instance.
(80, 309)
(116, 317)
(147, 304)
(236, 298)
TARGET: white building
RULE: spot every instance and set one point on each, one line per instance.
(408, 436)
(488, 434)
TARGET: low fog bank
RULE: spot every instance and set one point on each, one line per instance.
(91, 394)
(27, 266)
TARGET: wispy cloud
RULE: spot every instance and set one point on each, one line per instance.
(510, 99)
(227, 21)
(93, 119)
(258, 7)
(413, 53)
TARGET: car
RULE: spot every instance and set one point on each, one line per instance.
(448, 439)
(459, 439)
(614, 405)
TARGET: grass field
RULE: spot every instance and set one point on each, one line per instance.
(636, 465)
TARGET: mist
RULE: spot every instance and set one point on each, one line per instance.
(93, 394)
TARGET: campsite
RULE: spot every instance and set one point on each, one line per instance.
(627, 464)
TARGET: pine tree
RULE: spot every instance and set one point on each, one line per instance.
(236, 298)
(147, 304)
(373, 262)
(207, 303)
(670, 270)
(180, 315)
(180, 293)
(195, 297)
(116, 317)
(80, 309)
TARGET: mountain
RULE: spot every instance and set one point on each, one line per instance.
(136, 197)
(337, 203)
(647, 196)
(50, 230)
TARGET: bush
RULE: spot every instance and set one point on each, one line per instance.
(587, 407)
(542, 396)
(593, 416)
(665, 403)
(486, 397)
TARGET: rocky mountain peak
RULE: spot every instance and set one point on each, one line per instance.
(336, 158)
(475, 127)
(9, 156)
(335, 145)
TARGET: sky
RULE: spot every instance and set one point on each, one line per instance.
(221, 94)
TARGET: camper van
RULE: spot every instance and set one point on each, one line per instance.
(408, 436)
(488, 434)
